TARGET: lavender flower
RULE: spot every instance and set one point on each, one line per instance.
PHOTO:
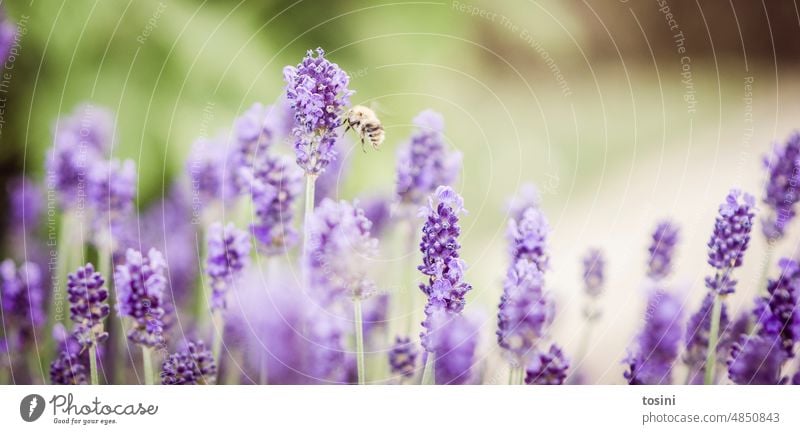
(593, 272)
(317, 92)
(756, 360)
(209, 168)
(21, 296)
(140, 283)
(445, 288)
(333, 177)
(777, 313)
(729, 240)
(254, 134)
(453, 340)
(26, 203)
(527, 197)
(8, 35)
(274, 187)
(698, 330)
(425, 163)
(523, 312)
(547, 367)
(88, 307)
(111, 191)
(658, 343)
(780, 196)
(327, 358)
(194, 365)
(339, 248)
(528, 238)
(228, 254)
(70, 366)
(377, 209)
(403, 357)
(665, 238)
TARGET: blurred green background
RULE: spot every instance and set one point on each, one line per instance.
(584, 98)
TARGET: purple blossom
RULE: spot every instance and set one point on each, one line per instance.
(527, 238)
(778, 313)
(209, 168)
(445, 288)
(757, 360)
(8, 36)
(780, 195)
(698, 330)
(228, 253)
(665, 238)
(111, 191)
(729, 240)
(140, 283)
(547, 367)
(453, 340)
(425, 163)
(329, 181)
(253, 135)
(88, 307)
(523, 312)
(22, 296)
(274, 187)
(527, 197)
(377, 209)
(193, 365)
(593, 271)
(71, 364)
(327, 359)
(26, 203)
(375, 312)
(403, 357)
(658, 344)
(340, 247)
(318, 94)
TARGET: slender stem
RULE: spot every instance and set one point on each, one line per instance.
(219, 325)
(407, 282)
(429, 373)
(586, 339)
(263, 377)
(362, 375)
(762, 281)
(147, 359)
(713, 337)
(93, 364)
(311, 181)
(512, 375)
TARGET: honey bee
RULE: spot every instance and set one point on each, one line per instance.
(366, 124)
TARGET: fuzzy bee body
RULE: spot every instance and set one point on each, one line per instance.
(366, 124)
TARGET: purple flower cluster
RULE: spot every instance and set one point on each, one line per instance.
(658, 344)
(140, 283)
(318, 94)
(327, 359)
(425, 163)
(403, 357)
(729, 240)
(445, 287)
(527, 237)
(194, 365)
(111, 191)
(698, 331)
(8, 34)
(756, 360)
(778, 313)
(228, 253)
(209, 169)
(339, 249)
(547, 367)
(780, 193)
(88, 307)
(523, 312)
(254, 133)
(274, 187)
(594, 264)
(665, 238)
(71, 364)
(453, 341)
(22, 296)
(27, 200)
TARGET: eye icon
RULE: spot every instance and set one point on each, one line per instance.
(31, 407)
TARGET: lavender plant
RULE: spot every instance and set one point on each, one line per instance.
(594, 264)
(193, 365)
(88, 309)
(547, 367)
(403, 358)
(780, 198)
(659, 342)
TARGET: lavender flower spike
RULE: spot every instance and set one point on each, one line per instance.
(194, 365)
(88, 307)
(425, 163)
(111, 191)
(523, 312)
(254, 134)
(140, 283)
(778, 313)
(729, 240)
(780, 195)
(658, 344)
(21, 297)
(547, 367)
(403, 358)
(454, 339)
(665, 238)
(228, 254)
(27, 202)
(8, 35)
(593, 272)
(318, 93)
(757, 360)
(698, 331)
(70, 366)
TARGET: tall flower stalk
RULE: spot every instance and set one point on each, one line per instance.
(88, 309)
(594, 265)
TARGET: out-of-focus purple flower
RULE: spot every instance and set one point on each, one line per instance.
(8, 34)
(111, 191)
(375, 311)
(327, 357)
(527, 197)
(729, 240)
(698, 330)
(453, 340)
(71, 364)
(228, 253)
(403, 357)
(274, 186)
(547, 367)
(524, 312)
(665, 238)
(377, 209)
(210, 169)
(527, 237)
(658, 343)
(778, 314)
(140, 283)
(253, 134)
(593, 272)
(318, 94)
(757, 360)
(780, 195)
(445, 287)
(193, 365)
(88, 306)
(26, 203)
(333, 177)
(340, 247)
(22, 296)
(425, 162)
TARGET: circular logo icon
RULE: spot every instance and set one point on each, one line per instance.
(31, 407)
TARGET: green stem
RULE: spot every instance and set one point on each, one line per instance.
(713, 337)
(429, 373)
(263, 377)
(762, 281)
(586, 339)
(147, 359)
(359, 341)
(219, 325)
(311, 184)
(93, 364)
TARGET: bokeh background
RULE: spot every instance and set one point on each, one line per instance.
(590, 100)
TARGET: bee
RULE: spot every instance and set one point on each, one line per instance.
(366, 124)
